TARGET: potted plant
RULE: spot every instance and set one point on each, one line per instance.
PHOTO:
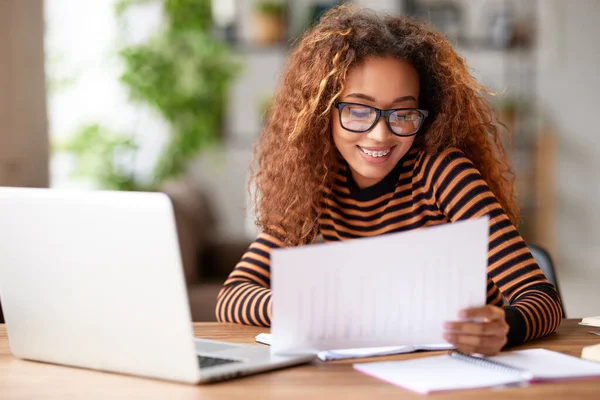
(269, 21)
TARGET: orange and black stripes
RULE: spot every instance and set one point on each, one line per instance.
(422, 190)
(245, 297)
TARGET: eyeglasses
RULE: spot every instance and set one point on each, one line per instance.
(400, 121)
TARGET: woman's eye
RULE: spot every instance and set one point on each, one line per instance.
(360, 113)
(404, 116)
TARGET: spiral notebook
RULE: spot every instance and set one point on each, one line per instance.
(461, 371)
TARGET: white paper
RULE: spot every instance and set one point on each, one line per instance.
(590, 321)
(549, 365)
(438, 373)
(389, 290)
(430, 374)
(345, 354)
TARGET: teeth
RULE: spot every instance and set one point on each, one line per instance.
(375, 153)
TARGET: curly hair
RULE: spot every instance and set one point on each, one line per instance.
(295, 155)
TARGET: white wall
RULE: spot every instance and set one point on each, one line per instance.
(569, 88)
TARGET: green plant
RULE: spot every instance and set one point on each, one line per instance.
(103, 157)
(184, 74)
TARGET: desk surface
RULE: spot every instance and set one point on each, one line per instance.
(332, 380)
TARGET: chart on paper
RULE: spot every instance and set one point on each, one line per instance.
(395, 289)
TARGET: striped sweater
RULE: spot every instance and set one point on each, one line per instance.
(422, 190)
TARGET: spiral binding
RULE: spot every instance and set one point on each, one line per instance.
(487, 363)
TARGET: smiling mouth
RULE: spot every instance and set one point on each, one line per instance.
(376, 153)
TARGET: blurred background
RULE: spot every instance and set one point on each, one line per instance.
(169, 95)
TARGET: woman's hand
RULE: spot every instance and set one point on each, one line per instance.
(484, 331)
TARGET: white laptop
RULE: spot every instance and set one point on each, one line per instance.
(94, 279)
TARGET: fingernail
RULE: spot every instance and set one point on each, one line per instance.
(462, 314)
(447, 337)
(448, 325)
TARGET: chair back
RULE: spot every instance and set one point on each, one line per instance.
(544, 260)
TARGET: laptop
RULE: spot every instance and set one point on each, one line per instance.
(94, 279)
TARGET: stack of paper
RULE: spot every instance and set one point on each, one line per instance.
(344, 354)
(590, 321)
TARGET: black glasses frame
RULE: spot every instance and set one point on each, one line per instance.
(381, 113)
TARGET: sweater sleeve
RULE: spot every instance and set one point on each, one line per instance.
(461, 193)
(245, 297)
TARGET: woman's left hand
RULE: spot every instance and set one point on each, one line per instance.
(484, 331)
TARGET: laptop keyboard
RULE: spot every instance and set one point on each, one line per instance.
(207, 362)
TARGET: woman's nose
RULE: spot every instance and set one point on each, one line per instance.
(379, 132)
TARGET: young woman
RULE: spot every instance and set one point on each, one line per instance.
(378, 127)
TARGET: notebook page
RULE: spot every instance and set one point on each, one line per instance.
(548, 365)
(391, 290)
(430, 374)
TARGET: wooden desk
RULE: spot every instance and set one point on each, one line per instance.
(332, 380)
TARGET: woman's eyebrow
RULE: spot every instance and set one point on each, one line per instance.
(404, 98)
(361, 96)
(370, 98)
